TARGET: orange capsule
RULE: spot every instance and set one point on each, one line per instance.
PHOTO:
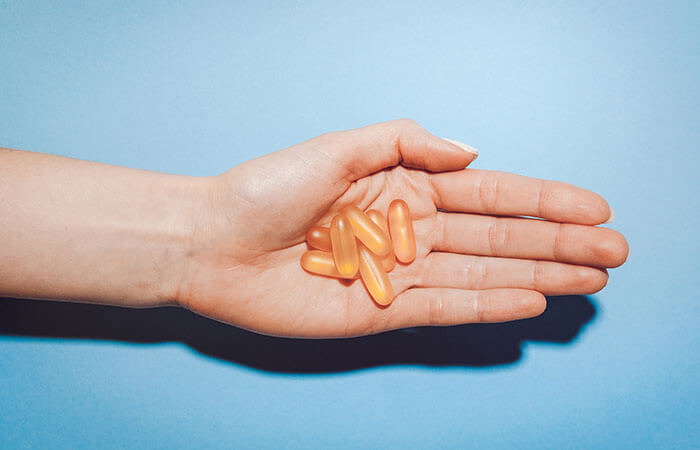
(321, 263)
(401, 231)
(388, 261)
(374, 277)
(344, 246)
(320, 238)
(367, 231)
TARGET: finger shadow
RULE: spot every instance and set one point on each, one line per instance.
(477, 345)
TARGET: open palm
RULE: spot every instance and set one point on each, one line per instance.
(477, 259)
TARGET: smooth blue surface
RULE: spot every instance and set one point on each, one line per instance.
(600, 94)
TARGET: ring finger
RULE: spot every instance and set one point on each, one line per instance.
(528, 239)
(452, 270)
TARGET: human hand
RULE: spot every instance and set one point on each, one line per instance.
(476, 260)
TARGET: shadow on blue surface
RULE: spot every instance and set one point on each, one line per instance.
(467, 345)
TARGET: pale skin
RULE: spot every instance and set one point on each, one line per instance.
(228, 246)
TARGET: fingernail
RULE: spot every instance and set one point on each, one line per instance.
(612, 216)
(465, 147)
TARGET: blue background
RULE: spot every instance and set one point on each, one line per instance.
(600, 94)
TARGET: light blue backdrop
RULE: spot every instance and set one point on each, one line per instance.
(600, 94)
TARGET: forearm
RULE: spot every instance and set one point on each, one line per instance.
(84, 231)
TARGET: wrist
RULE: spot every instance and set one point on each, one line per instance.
(207, 244)
(183, 201)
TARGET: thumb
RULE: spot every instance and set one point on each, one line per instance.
(369, 149)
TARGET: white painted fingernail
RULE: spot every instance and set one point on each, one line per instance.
(465, 147)
(612, 216)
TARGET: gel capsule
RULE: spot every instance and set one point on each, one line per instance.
(401, 231)
(344, 246)
(321, 263)
(367, 231)
(388, 261)
(320, 238)
(374, 277)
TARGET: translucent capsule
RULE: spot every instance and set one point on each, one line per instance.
(401, 230)
(388, 261)
(320, 238)
(374, 277)
(344, 246)
(367, 231)
(321, 263)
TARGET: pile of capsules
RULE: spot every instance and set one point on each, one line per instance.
(363, 245)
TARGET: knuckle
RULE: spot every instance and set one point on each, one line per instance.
(405, 123)
(439, 237)
(489, 193)
(436, 310)
(537, 275)
(328, 138)
(483, 307)
(425, 271)
(543, 195)
(560, 242)
(484, 273)
(498, 236)
(395, 129)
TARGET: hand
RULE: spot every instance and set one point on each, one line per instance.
(476, 261)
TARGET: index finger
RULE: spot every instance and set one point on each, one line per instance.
(507, 194)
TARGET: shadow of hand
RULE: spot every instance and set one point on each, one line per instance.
(474, 345)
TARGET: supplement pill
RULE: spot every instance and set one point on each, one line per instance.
(321, 263)
(388, 261)
(320, 238)
(374, 277)
(344, 246)
(367, 231)
(401, 231)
